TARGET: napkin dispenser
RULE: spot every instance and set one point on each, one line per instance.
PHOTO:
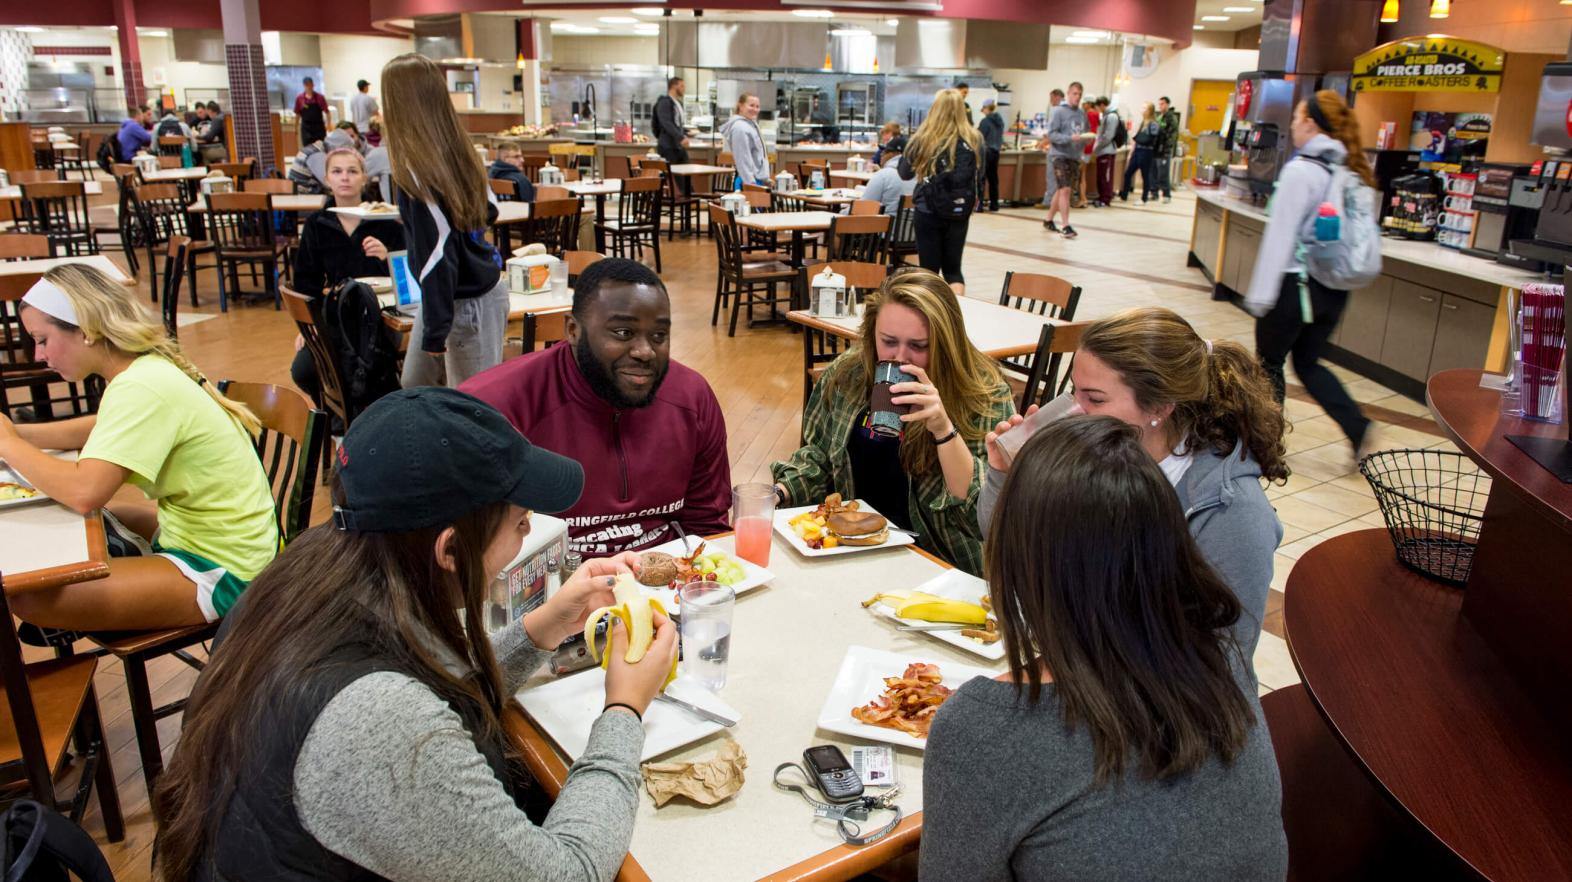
(785, 182)
(829, 297)
(856, 164)
(737, 204)
(551, 176)
(145, 163)
(652, 155)
(532, 274)
(218, 184)
(533, 575)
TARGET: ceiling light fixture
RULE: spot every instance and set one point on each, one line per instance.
(1214, 18)
(1198, 27)
(648, 10)
(1389, 11)
(1245, 9)
(849, 32)
(895, 22)
(1082, 40)
(618, 19)
(1096, 34)
(28, 29)
(812, 13)
(1440, 8)
(142, 33)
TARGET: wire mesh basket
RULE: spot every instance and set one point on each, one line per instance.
(1433, 502)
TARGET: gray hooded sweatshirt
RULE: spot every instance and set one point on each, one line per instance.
(746, 144)
(1232, 522)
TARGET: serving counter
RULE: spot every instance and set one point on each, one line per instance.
(1431, 310)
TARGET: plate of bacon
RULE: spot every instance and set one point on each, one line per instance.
(890, 697)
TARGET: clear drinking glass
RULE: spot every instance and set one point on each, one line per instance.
(752, 517)
(706, 631)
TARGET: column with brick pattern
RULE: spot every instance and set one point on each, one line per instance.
(248, 84)
(130, 53)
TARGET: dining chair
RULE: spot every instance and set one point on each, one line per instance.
(738, 279)
(549, 192)
(553, 223)
(532, 167)
(58, 209)
(903, 233)
(578, 261)
(171, 145)
(820, 348)
(34, 176)
(1049, 375)
(617, 167)
(174, 261)
(866, 207)
(1038, 294)
(243, 170)
(25, 246)
(163, 214)
(51, 705)
(325, 356)
(122, 223)
(504, 189)
(84, 160)
(858, 237)
(168, 162)
(240, 226)
(637, 222)
(271, 186)
(20, 367)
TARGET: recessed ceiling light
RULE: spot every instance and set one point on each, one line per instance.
(648, 10)
(28, 29)
(812, 13)
(1198, 27)
(1095, 34)
(1238, 8)
(1080, 39)
(849, 32)
(1214, 18)
(895, 22)
(618, 19)
(142, 33)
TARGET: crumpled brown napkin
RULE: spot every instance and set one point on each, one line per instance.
(706, 782)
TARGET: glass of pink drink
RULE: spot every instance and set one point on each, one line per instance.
(752, 517)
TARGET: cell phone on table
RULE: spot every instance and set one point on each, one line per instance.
(833, 773)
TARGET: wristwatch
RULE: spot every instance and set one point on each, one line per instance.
(939, 442)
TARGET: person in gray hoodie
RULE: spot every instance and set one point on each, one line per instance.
(746, 143)
(1067, 135)
(1207, 416)
(1106, 149)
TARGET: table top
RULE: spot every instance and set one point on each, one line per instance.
(825, 197)
(864, 176)
(789, 639)
(789, 220)
(280, 202)
(65, 145)
(176, 174)
(1471, 416)
(588, 188)
(997, 331)
(512, 211)
(91, 188)
(44, 264)
(519, 305)
(48, 545)
(686, 169)
(1414, 691)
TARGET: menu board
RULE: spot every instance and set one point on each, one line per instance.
(1449, 137)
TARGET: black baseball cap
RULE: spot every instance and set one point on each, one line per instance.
(425, 457)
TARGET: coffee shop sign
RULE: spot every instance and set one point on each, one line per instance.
(1429, 64)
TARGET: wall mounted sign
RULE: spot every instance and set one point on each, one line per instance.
(1429, 64)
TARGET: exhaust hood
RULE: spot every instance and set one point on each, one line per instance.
(959, 44)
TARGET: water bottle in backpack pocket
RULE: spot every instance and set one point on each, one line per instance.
(1344, 250)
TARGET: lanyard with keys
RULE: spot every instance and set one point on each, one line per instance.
(846, 814)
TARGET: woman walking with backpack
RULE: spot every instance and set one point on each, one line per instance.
(942, 155)
(1295, 314)
(1143, 157)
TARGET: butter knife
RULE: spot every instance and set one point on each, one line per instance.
(696, 710)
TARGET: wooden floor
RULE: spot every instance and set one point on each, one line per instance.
(1126, 256)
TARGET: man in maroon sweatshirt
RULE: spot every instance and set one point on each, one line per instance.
(647, 430)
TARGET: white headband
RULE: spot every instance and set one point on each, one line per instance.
(1208, 347)
(47, 297)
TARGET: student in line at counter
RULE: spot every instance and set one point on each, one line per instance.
(992, 128)
(162, 427)
(1206, 417)
(746, 143)
(611, 396)
(350, 726)
(1295, 314)
(928, 477)
(1119, 747)
(335, 247)
(445, 205)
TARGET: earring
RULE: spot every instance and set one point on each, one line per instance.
(1154, 423)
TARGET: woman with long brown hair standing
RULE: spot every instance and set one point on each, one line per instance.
(1295, 314)
(445, 204)
(1120, 746)
(943, 155)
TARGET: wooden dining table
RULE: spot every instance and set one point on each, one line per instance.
(281, 202)
(600, 190)
(47, 545)
(795, 222)
(524, 309)
(788, 642)
(13, 193)
(36, 265)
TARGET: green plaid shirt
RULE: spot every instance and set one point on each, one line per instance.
(947, 526)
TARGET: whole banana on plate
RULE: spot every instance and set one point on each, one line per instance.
(636, 610)
(927, 607)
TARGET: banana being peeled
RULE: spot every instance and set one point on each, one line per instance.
(635, 609)
(931, 608)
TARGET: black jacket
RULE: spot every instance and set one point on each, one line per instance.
(668, 134)
(992, 128)
(948, 192)
(328, 255)
(502, 171)
(466, 265)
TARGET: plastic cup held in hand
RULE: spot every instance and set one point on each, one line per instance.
(1010, 442)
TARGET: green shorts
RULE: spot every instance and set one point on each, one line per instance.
(216, 588)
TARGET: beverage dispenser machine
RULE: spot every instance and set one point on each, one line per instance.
(1263, 112)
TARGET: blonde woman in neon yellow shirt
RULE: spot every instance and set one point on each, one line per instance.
(161, 427)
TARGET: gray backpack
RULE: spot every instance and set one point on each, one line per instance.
(1353, 260)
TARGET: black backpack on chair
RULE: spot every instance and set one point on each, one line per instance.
(367, 348)
(41, 845)
(109, 153)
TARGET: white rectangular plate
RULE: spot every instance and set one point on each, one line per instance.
(9, 476)
(861, 680)
(783, 526)
(568, 707)
(357, 211)
(753, 575)
(952, 585)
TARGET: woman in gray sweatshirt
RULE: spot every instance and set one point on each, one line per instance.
(1207, 418)
(746, 143)
(350, 726)
(1120, 746)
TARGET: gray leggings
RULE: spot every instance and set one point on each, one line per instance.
(474, 343)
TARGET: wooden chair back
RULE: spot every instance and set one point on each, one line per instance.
(728, 241)
(504, 189)
(1040, 294)
(549, 329)
(272, 186)
(532, 167)
(554, 223)
(324, 352)
(864, 207)
(289, 446)
(240, 171)
(859, 237)
(754, 188)
(577, 261)
(37, 175)
(640, 202)
(617, 167)
(1049, 375)
(727, 159)
(551, 193)
(23, 246)
(240, 223)
(860, 275)
(171, 145)
(759, 201)
(903, 233)
(174, 266)
(169, 162)
(59, 210)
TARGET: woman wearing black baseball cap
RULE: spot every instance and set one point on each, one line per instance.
(350, 726)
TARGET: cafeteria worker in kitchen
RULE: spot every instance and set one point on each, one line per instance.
(927, 478)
